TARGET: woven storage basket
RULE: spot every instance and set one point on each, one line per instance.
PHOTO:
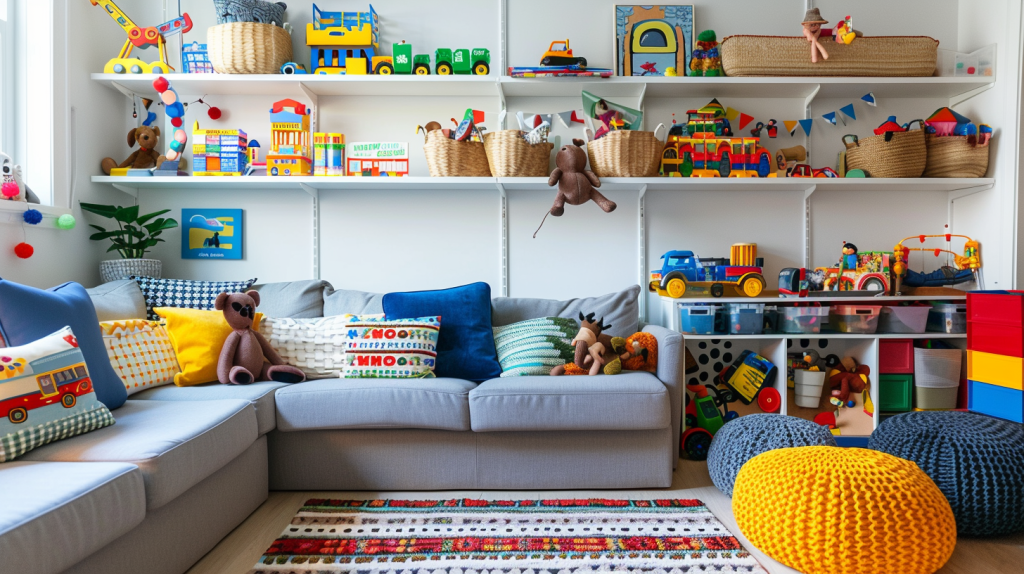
(955, 156)
(116, 269)
(509, 155)
(866, 56)
(624, 153)
(248, 48)
(903, 155)
(449, 158)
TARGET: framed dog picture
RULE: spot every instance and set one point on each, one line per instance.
(651, 39)
(211, 233)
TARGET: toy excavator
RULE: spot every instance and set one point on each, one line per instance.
(965, 268)
(141, 38)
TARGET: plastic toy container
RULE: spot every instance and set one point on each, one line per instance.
(999, 370)
(903, 319)
(855, 318)
(896, 356)
(895, 393)
(802, 319)
(935, 398)
(948, 318)
(807, 387)
(1000, 307)
(995, 338)
(745, 318)
(697, 319)
(996, 401)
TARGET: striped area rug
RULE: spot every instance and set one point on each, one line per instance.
(465, 536)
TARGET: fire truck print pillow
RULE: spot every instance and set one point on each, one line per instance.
(395, 349)
(46, 395)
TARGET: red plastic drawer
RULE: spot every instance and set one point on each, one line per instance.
(1002, 307)
(995, 338)
(896, 357)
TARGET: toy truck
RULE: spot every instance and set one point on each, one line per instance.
(476, 61)
(560, 54)
(405, 63)
(706, 147)
(684, 274)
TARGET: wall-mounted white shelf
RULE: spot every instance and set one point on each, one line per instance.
(282, 85)
(226, 183)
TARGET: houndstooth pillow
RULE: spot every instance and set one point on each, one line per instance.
(185, 294)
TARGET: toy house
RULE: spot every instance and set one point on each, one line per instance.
(289, 132)
(219, 152)
(346, 43)
(388, 159)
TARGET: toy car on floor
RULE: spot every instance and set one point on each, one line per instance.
(684, 274)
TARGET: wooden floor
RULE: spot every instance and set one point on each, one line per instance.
(240, 551)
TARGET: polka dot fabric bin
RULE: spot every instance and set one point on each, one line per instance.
(141, 353)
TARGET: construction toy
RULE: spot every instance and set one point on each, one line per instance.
(141, 38)
(346, 43)
(385, 159)
(290, 152)
(328, 154)
(705, 147)
(964, 268)
(219, 152)
(685, 274)
(560, 54)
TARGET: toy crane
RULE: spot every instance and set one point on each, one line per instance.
(141, 38)
(965, 268)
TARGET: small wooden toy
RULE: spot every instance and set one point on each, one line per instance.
(141, 38)
(290, 152)
(705, 147)
(706, 59)
(788, 158)
(812, 31)
(219, 152)
(773, 128)
(328, 154)
(384, 159)
(175, 162)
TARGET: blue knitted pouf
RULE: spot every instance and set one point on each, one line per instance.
(976, 461)
(746, 437)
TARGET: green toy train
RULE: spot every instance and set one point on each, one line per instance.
(446, 61)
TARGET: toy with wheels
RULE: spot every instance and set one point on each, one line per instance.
(684, 274)
(139, 37)
(703, 419)
(293, 68)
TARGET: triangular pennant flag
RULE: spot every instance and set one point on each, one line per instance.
(571, 116)
(848, 110)
(745, 120)
(790, 126)
(869, 99)
(830, 117)
(806, 124)
(730, 114)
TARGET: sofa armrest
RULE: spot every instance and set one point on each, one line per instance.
(671, 372)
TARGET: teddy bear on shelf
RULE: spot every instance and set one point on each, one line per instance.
(145, 157)
(576, 184)
(247, 357)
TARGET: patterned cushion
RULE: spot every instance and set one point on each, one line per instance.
(198, 338)
(535, 346)
(46, 394)
(843, 511)
(976, 461)
(185, 294)
(395, 349)
(317, 346)
(746, 437)
(141, 353)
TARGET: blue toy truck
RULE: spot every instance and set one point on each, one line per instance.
(682, 273)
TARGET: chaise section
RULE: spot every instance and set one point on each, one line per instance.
(260, 396)
(54, 514)
(175, 444)
(438, 404)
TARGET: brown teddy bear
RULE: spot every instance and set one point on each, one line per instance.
(145, 157)
(848, 377)
(247, 356)
(576, 184)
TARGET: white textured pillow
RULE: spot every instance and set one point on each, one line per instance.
(317, 346)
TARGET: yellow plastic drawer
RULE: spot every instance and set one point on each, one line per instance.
(1001, 370)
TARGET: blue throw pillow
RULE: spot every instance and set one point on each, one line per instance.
(28, 314)
(465, 347)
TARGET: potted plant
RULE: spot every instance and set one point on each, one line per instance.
(135, 235)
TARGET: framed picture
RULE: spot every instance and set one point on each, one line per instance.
(649, 39)
(211, 233)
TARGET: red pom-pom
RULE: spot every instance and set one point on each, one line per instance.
(24, 250)
(161, 84)
(176, 122)
(214, 113)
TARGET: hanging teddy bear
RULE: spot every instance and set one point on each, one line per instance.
(576, 184)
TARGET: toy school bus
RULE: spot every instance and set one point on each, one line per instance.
(704, 147)
(387, 159)
(37, 391)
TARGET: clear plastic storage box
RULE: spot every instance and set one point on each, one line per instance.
(745, 318)
(802, 319)
(911, 319)
(948, 318)
(697, 319)
(854, 318)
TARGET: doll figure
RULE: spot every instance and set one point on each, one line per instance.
(812, 31)
(849, 256)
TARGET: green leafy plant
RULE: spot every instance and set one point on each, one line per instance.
(135, 234)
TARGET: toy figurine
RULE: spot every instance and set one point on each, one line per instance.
(706, 59)
(756, 130)
(849, 256)
(844, 33)
(576, 184)
(812, 31)
(772, 128)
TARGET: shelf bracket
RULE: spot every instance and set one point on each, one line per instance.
(807, 225)
(312, 191)
(132, 191)
(123, 89)
(960, 194)
(961, 98)
(503, 240)
(641, 226)
(314, 119)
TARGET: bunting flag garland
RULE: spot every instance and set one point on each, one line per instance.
(806, 124)
(848, 111)
(790, 126)
(869, 99)
(730, 114)
(745, 120)
(830, 117)
(571, 116)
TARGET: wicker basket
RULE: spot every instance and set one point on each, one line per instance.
(449, 158)
(894, 154)
(866, 56)
(509, 155)
(625, 153)
(955, 156)
(116, 269)
(248, 48)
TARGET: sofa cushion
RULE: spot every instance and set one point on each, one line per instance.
(118, 300)
(141, 353)
(198, 338)
(260, 395)
(185, 293)
(348, 301)
(296, 299)
(621, 310)
(629, 401)
(54, 514)
(375, 404)
(175, 444)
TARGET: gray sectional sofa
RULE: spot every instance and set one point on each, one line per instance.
(183, 466)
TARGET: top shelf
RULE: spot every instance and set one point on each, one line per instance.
(660, 87)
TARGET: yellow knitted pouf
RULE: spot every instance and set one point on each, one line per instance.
(831, 510)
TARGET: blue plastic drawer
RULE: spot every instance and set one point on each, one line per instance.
(996, 401)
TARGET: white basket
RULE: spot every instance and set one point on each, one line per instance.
(807, 387)
(937, 368)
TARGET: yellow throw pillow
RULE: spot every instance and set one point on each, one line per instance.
(140, 352)
(197, 337)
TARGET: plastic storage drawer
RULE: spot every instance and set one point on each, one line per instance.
(895, 357)
(995, 338)
(912, 319)
(854, 318)
(996, 401)
(1003, 307)
(697, 319)
(802, 319)
(895, 393)
(948, 318)
(745, 318)
(999, 370)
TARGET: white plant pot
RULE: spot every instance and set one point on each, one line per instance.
(116, 269)
(807, 387)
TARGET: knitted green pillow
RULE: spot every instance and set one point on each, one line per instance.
(535, 346)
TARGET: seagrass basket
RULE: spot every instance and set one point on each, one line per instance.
(866, 56)
(955, 156)
(509, 155)
(248, 48)
(449, 158)
(625, 153)
(893, 154)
